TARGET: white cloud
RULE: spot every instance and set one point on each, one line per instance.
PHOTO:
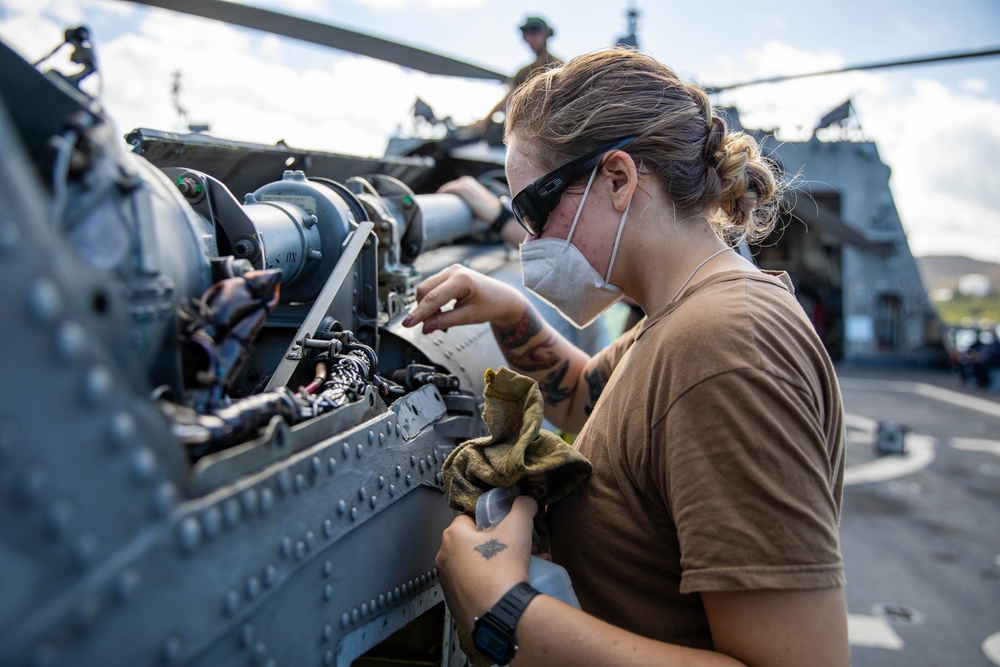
(975, 85)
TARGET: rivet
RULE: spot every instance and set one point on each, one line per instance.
(371, 605)
(126, 583)
(327, 528)
(345, 620)
(327, 632)
(328, 568)
(371, 437)
(232, 603)
(331, 465)
(58, 516)
(364, 610)
(435, 456)
(328, 592)
(423, 580)
(392, 490)
(399, 471)
(286, 547)
(85, 549)
(310, 540)
(32, 483)
(438, 478)
(409, 480)
(361, 450)
(87, 613)
(398, 432)
(316, 465)
(246, 635)
(373, 501)
(406, 590)
(434, 572)
(143, 464)
(421, 466)
(260, 651)
(361, 493)
(381, 600)
(270, 575)
(430, 461)
(328, 657)
(164, 498)
(355, 615)
(248, 499)
(231, 512)
(253, 587)
(300, 483)
(97, 386)
(396, 594)
(354, 513)
(381, 482)
(211, 522)
(341, 507)
(345, 449)
(44, 301)
(300, 550)
(189, 534)
(271, 662)
(266, 500)
(170, 652)
(285, 481)
(122, 430)
(413, 460)
(70, 338)
(381, 440)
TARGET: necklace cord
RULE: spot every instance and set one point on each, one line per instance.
(696, 269)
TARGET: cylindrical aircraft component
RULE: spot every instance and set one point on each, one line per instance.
(289, 238)
(446, 218)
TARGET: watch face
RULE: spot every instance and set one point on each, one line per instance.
(492, 643)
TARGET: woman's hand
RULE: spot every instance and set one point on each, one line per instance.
(478, 298)
(477, 568)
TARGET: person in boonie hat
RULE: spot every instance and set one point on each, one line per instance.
(536, 32)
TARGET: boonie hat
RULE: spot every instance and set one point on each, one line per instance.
(536, 23)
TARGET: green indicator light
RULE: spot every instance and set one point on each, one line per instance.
(198, 188)
(407, 200)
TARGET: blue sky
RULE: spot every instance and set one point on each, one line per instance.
(936, 126)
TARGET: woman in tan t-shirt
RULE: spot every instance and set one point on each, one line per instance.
(714, 426)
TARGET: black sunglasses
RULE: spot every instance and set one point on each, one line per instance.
(533, 204)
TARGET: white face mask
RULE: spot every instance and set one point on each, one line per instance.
(557, 273)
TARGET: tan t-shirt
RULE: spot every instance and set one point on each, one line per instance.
(717, 447)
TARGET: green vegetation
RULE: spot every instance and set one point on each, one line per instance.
(965, 310)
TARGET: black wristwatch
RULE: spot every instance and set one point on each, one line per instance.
(503, 217)
(493, 634)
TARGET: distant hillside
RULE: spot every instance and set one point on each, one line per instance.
(944, 271)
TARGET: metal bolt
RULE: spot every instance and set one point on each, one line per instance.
(70, 338)
(189, 534)
(266, 500)
(44, 301)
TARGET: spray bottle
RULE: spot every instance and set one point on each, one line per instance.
(545, 576)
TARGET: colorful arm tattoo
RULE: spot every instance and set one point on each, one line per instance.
(535, 358)
(518, 335)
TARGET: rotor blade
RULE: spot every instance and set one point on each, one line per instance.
(891, 63)
(327, 35)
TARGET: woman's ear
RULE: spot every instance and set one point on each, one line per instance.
(622, 178)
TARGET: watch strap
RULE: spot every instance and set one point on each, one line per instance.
(502, 218)
(509, 608)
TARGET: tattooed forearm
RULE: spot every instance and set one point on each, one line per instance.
(595, 385)
(516, 335)
(491, 548)
(551, 386)
(535, 358)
